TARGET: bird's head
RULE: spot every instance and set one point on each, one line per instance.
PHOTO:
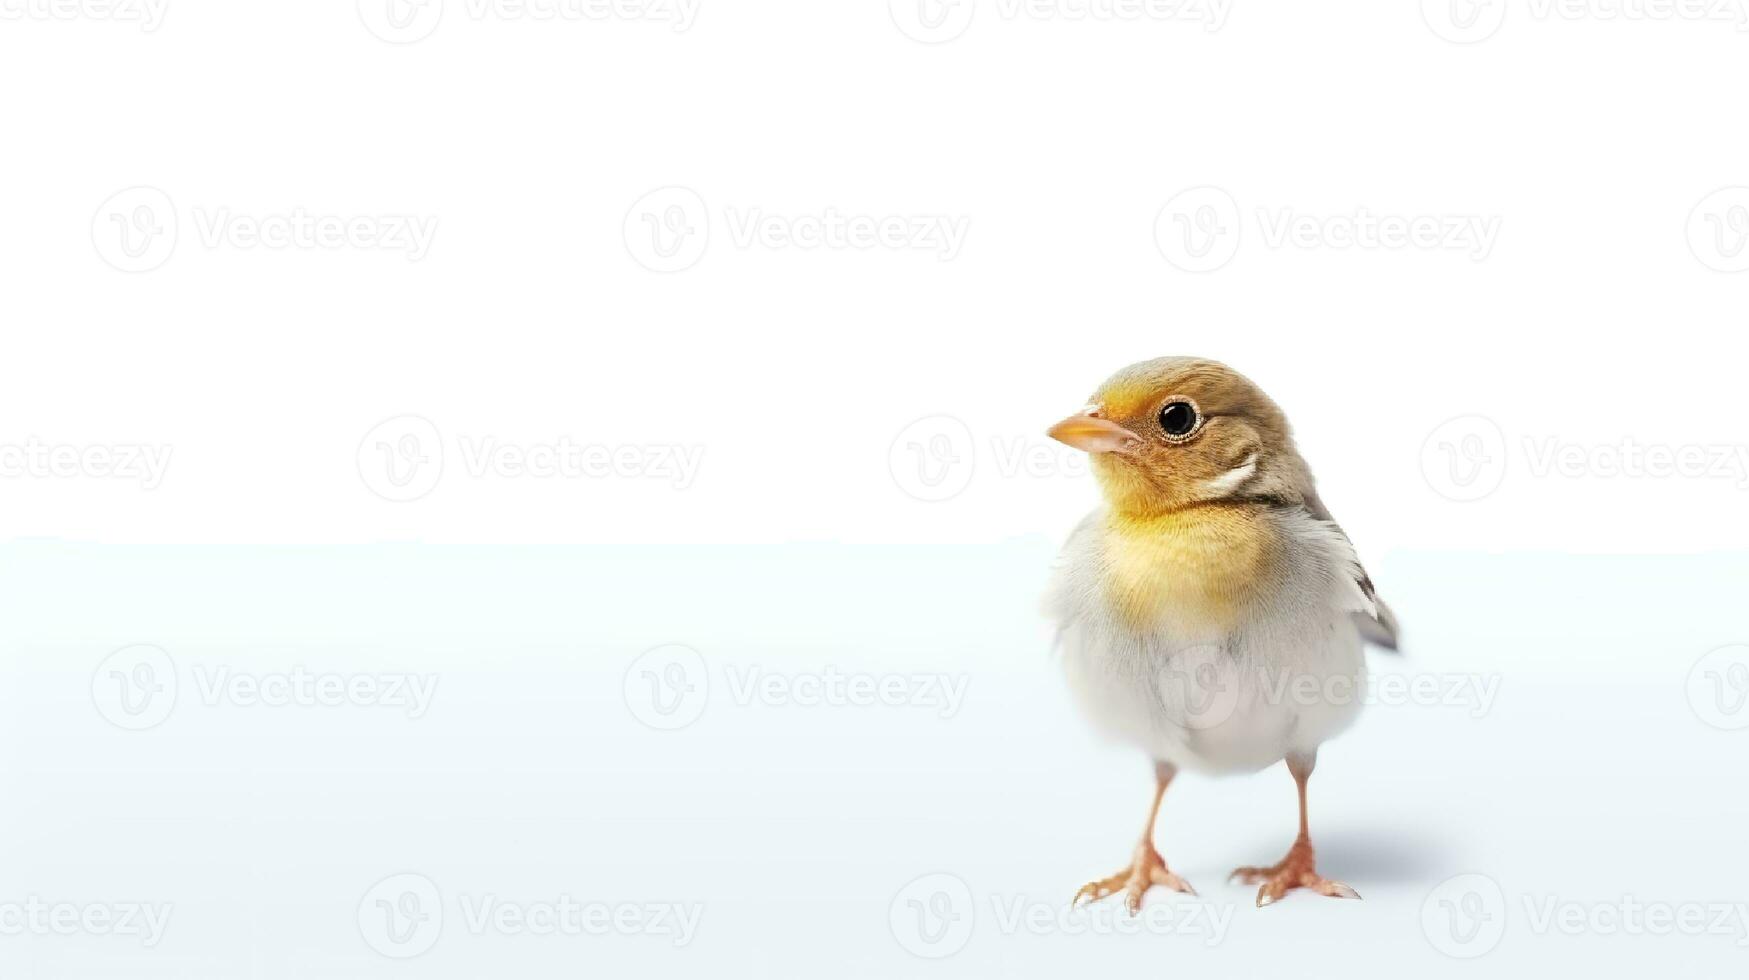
(1175, 432)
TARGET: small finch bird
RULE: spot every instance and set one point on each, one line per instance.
(1211, 613)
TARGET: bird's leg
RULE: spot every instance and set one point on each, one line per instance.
(1147, 868)
(1297, 870)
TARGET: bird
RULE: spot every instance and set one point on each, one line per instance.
(1211, 612)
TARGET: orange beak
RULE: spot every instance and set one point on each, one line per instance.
(1090, 433)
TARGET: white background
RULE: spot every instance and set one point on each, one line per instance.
(1590, 322)
(839, 401)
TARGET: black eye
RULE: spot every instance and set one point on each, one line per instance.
(1178, 419)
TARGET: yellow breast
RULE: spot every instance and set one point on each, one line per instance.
(1188, 571)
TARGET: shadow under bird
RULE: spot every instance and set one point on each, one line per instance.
(1211, 613)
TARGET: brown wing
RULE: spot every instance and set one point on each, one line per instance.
(1380, 629)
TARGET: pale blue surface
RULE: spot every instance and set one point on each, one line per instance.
(1587, 779)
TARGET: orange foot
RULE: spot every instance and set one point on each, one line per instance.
(1147, 870)
(1295, 871)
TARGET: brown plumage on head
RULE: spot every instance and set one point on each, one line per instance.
(1239, 448)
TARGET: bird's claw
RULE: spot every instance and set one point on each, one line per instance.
(1336, 889)
(1297, 870)
(1272, 891)
(1251, 875)
(1146, 871)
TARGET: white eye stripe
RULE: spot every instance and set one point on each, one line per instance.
(1234, 478)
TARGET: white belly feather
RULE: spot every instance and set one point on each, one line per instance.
(1287, 676)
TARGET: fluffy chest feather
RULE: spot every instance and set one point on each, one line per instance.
(1181, 635)
(1187, 573)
